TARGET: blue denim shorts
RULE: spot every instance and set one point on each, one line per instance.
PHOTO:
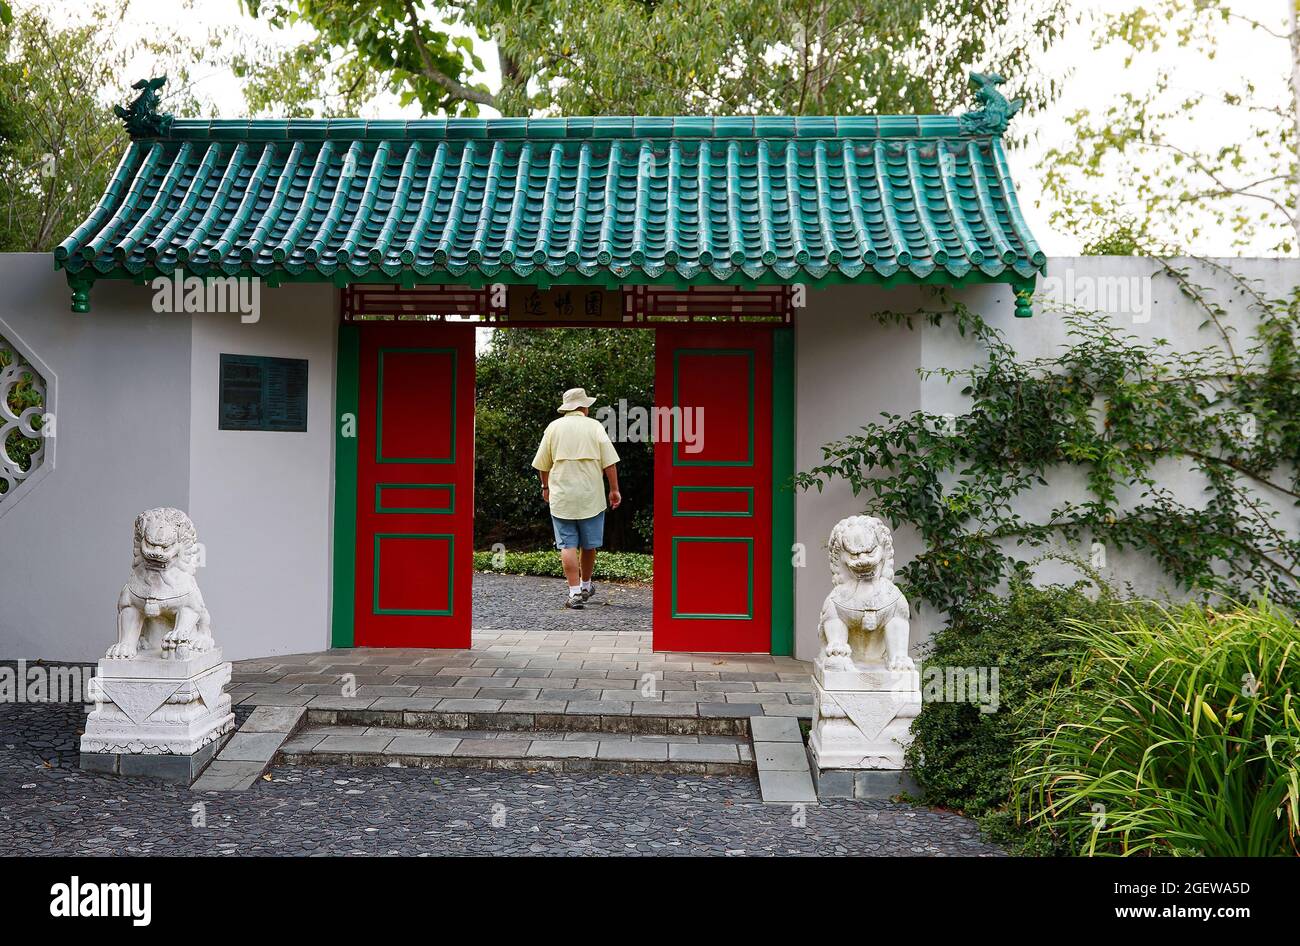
(579, 533)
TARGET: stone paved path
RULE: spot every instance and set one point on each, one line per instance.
(47, 806)
(512, 602)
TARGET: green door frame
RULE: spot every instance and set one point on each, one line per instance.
(347, 393)
(783, 414)
(346, 407)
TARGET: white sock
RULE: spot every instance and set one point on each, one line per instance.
(586, 585)
(575, 590)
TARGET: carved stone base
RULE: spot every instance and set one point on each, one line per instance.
(177, 769)
(868, 679)
(867, 726)
(152, 705)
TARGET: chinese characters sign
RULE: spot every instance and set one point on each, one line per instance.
(564, 304)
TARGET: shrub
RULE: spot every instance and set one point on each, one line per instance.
(610, 566)
(1174, 733)
(960, 756)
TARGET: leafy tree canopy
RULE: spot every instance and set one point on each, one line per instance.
(582, 57)
(1177, 161)
(59, 140)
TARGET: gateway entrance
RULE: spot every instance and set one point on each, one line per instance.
(715, 543)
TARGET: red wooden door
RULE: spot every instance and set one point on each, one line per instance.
(415, 484)
(713, 490)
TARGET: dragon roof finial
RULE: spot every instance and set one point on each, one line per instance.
(141, 117)
(995, 111)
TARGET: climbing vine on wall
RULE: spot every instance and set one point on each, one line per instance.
(1123, 412)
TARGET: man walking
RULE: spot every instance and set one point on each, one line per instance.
(574, 451)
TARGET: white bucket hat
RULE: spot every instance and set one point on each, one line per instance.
(575, 398)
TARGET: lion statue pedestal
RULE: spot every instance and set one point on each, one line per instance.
(160, 705)
(866, 689)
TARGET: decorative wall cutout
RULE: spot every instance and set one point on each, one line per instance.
(24, 412)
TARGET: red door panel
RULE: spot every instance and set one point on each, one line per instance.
(415, 483)
(713, 491)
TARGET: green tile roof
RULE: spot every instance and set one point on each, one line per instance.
(610, 200)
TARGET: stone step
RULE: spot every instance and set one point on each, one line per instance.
(649, 719)
(541, 750)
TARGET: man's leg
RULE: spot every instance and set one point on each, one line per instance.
(591, 534)
(566, 542)
(569, 559)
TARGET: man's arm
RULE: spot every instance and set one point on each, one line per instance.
(615, 497)
(542, 462)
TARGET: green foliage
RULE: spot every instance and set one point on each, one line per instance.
(636, 57)
(767, 56)
(1125, 237)
(1117, 410)
(520, 379)
(1188, 150)
(610, 566)
(961, 756)
(1172, 734)
(360, 46)
(59, 140)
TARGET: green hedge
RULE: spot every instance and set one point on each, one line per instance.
(610, 566)
(960, 756)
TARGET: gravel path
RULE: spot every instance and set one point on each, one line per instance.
(525, 602)
(47, 806)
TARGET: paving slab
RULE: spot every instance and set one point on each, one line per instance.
(359, 744)
(633, 751)
(775, 729)
(782, 756)
(493, 748)
(252, 747)
(273, 719)
(222, 776)
(562, 749)
(786, 787)
(421, 746)
(680, 752)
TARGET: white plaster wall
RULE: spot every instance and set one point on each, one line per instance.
(1156, 308)
(122, 414)
(262, 501)
(849, 370)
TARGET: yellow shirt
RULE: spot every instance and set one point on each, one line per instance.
(575, 449)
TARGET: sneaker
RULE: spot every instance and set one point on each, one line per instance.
(589, 593)
(575, 602)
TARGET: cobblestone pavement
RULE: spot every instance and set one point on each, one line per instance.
(47, 806)
(511, 602)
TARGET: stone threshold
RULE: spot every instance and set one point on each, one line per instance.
(784, 776)
(546, 751)
(646, 723)
(248, 753)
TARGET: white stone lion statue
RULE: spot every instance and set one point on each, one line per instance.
(160, 608)
(865, 618)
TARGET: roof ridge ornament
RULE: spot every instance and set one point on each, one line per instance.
(996, 112)
(141, 117)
